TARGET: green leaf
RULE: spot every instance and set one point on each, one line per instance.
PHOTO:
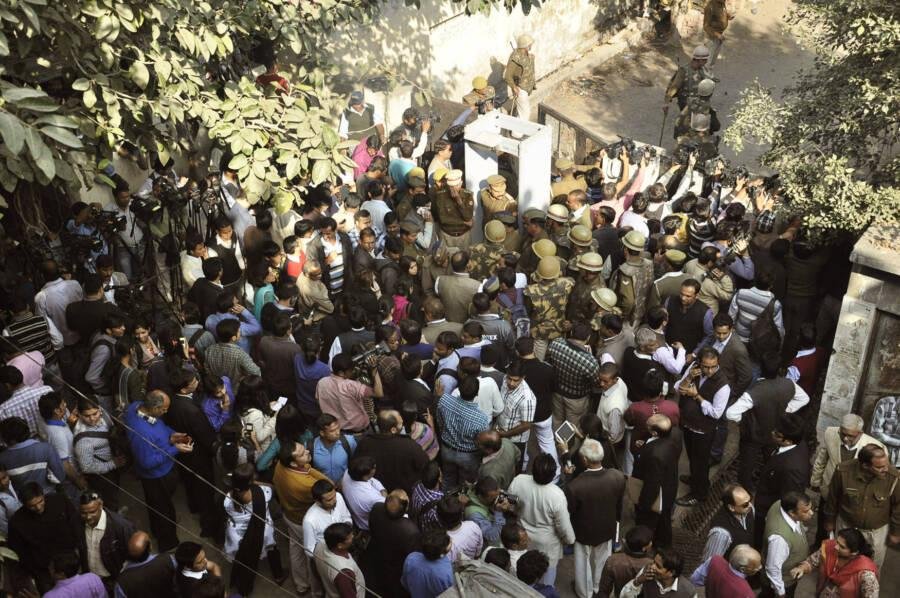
(31, 16)
(38, 104)
(317, 154)
(57, 120)
(41, 154)
(163, 70)
(292, 169)
(140, 74)
(4, 45)
(62, 136)
(81, 84)
(17, 94)
(103, 27)
(320, 171)
(89, 99)
(238, 162)
(12, 131)
(330, 138)
(7, 553)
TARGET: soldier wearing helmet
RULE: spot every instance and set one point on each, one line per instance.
(519, 75)
(587, 268)
(581, 242)
(558, 229)
(701, 104)
(545, 300)
(684, 83)
(698, 140)
(534, 222)
(484, 257)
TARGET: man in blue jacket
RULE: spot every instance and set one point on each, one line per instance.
(154, 446)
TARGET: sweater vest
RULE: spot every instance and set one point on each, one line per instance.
(330, 564)
(722, 581)
(360, 125)
(770, 399)
(686, 327)
(32, 334)
(231, 270)
(727, 521)
(650, 589)
(799, 547)
(692, 415)
(808, 366)
(633, 370)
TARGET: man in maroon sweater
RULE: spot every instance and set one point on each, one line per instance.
(651, 402)
(729, 578)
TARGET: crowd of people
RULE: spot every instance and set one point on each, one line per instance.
(402, 405)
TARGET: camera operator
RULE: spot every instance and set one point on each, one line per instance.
(127, 243)
(231, 196)
(111, 279)
(487, 505)
(732, 244)
(160, 170)
(89, 242)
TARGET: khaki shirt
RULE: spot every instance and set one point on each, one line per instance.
(473, 98)
(863, 500)
(454, 215)
(490, 205)
(566, 184)
(520, 70)
(685, 81)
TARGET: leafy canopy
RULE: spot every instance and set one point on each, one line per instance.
(834, 137)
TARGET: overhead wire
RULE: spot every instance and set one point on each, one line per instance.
(178, 463)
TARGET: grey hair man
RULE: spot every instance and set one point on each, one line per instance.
(729, 578)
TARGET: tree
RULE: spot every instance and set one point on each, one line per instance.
(834, 136)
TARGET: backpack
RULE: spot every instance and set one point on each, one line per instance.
(624, 288)
(764, 335)
(311, 443)
(517, 312)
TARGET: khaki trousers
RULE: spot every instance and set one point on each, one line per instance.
(303, 573)
(463, 241)
(570, 410)
(876, 537)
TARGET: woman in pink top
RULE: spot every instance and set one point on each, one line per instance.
(364, 152)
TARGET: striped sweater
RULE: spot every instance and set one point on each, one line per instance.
(747, 305)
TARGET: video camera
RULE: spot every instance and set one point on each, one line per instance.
(624, 144)
(107, 221)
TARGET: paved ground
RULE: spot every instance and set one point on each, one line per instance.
(624, 96)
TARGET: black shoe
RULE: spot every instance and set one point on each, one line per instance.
(688, 500)
(685, 479)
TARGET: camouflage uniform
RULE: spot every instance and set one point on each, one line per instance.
(520, 70)
(560, 238)
(483, 259)
(641, 272)
(597, 319)
(513, 241)
(577, 250)
(684, 82)
(486, 95)
(530, 260)
(581, 306)
(696, 105)
(546, 304)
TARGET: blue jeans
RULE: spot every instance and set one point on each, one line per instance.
(458, 467)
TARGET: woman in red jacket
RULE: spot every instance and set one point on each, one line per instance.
(846, 569)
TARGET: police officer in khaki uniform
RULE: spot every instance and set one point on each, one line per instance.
(436, 264)
(558, 229)
(484, 257)
(494, 198)
(698, 140)
(588, 267)
(669, 284)
(567, 181)
(481, 98)
(698, 105)
(545, 301)
(454, 207)
(513, 242)
(581, 241)
(416, 186)
(519, 75)
(408, 233)
(534, 223)
(631, 281)
(687, 78)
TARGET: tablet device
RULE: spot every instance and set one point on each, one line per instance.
(565, 432)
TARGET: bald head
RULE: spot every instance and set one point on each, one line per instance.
(659, 424)
(488, 442)
(389, 421)
(396, 503)
(138, 546)
(746, 559)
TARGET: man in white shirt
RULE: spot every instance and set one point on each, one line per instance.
(361, 490)
(786, 542)
(613, 402)
(376, 206)
(195, 251)
(53, 298)
(488, 399)
(129, 250)
(329, 508)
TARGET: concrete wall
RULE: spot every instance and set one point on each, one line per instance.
(441, 48)
(865, 360)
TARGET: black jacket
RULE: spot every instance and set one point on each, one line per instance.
(36, 538)
(392, 541)
(784, 472)
(204, 294)
(185, 416)
(113, 544)
(656, 464)
(399, 460)
(413, 390)
(317, 250)
(595, 505)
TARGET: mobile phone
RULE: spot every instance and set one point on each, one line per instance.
(184, 346)
(565, 432)
(248, 427)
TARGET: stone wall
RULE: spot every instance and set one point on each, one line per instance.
(442, 49)
(865, 362)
